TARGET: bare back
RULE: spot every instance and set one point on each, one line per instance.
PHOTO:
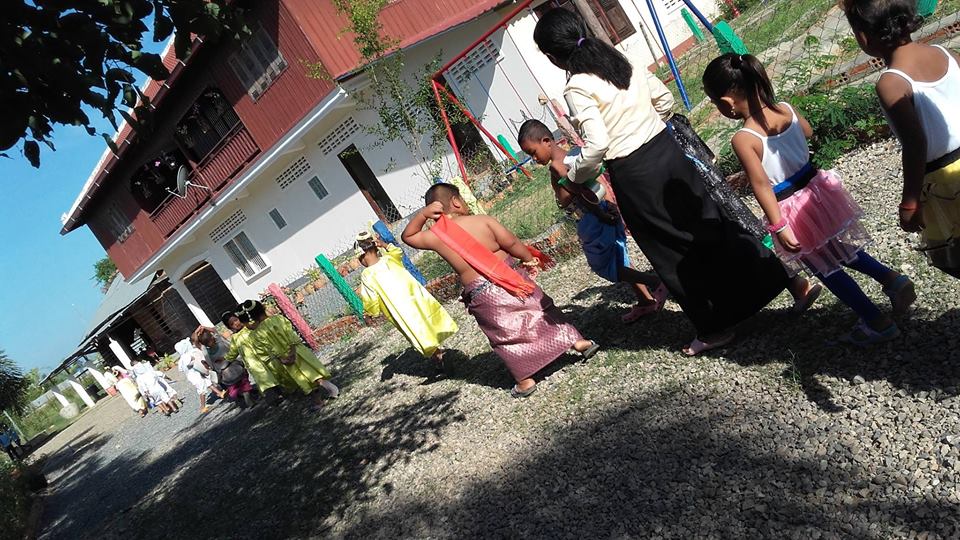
(483, 229)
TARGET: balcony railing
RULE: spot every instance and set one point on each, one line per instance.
(220, 166)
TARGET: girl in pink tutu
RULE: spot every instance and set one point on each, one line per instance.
(815, 223)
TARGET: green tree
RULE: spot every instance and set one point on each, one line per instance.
(61, 56)
(103, 273)
(13, 384)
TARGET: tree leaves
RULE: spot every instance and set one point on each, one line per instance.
(13, 384)
(55, 52)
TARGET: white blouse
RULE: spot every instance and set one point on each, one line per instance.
(614, 122)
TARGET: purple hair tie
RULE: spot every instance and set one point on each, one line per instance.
(580, 41)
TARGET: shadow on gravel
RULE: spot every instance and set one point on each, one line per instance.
(663, 468)
(264, 473)
(926, 358)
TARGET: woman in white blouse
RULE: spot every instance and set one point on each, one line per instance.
(718, 272)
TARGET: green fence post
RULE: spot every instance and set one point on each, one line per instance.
(688, 18)
(925, 8)
(342, 286)
(727, 40)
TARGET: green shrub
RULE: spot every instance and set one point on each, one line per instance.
(14, 502)
(842, 120)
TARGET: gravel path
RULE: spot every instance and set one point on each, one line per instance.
(783, 434)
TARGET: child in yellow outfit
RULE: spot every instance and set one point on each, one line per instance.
(274, 338)
(388, 289)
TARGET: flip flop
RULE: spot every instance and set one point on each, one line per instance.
(659, 299)
(520, 394)
(697, 346)
(902, 295)
(812, 294)
(591, 350)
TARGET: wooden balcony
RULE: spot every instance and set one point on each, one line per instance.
(220, 166)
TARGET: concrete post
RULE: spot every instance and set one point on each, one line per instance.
(99, 377)
(192, 303)
(75, 384)
(121, 353)
(60, 397)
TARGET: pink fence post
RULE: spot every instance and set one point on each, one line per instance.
(290, 311)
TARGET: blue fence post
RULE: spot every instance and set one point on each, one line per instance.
(384, 233)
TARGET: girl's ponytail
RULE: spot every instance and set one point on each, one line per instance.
(562, 35)
(739, 73)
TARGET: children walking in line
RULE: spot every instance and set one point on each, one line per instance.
(599, 226)
(814, 221)
(388, 289)
(920, 94)
(526, 330)
(232, 376)
(192, 363)
(274, 338)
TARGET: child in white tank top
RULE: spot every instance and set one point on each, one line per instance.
(814, 221)
(920, 95)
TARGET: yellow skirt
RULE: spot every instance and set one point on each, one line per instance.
(941, 215)
(306, 370)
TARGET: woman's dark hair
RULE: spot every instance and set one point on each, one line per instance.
(144, 357)
(563, 35)
(243, 317)
(888, 21)
(740, 74)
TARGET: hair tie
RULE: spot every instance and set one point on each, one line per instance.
(580, 41)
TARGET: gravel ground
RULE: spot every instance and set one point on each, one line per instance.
(783, 434)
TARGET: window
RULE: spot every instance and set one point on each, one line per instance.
(117, 222)
(278, 219)
(153, 181)
(209, 121)
(317, 186)
(258, 63)
(609, 12)
(245, 255)
(485, 53)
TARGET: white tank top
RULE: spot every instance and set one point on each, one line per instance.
(786, 153)
(938, 107)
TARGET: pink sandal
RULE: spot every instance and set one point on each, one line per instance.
(659, 299)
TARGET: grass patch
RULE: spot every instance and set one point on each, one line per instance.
(528, 208)
(14, 502)
(432, 265)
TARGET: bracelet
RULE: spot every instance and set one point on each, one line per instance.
(909, 208)
(777, 227)
(532, 262)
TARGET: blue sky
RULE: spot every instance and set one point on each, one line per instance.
(48, 292)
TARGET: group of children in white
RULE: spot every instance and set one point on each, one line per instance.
(637, 171)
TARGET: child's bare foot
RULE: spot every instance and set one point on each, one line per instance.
(586, 348)
(204, 410)
(698, 346)
(805, 295)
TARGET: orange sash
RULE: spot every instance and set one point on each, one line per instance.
(480, 258)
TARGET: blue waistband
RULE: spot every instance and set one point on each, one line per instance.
(796, 182)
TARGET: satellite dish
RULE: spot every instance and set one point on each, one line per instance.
(183, 183)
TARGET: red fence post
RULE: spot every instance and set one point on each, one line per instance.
(290, 311)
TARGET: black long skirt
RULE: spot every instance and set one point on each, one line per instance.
(717, 271)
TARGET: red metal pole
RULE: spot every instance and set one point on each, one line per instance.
(477, 123)
(733, 8)
(450, 137)
(523, 5)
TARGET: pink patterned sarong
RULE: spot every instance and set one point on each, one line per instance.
(527, 334)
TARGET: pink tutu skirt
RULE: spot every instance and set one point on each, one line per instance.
(826, 221)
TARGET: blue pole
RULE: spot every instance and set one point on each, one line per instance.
(703, 20)
(388, 237)
(666, 51)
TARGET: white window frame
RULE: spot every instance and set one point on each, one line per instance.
(257, 63)
(248, 260)
(277, 217)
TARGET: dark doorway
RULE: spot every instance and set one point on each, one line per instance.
(369, 185)
(473, 150)
(209, 291)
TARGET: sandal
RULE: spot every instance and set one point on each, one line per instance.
(697, 346)
(517, 393)
(659, 299)
(862, 335)
(590, 351)
(799, 306)
(902, 295)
